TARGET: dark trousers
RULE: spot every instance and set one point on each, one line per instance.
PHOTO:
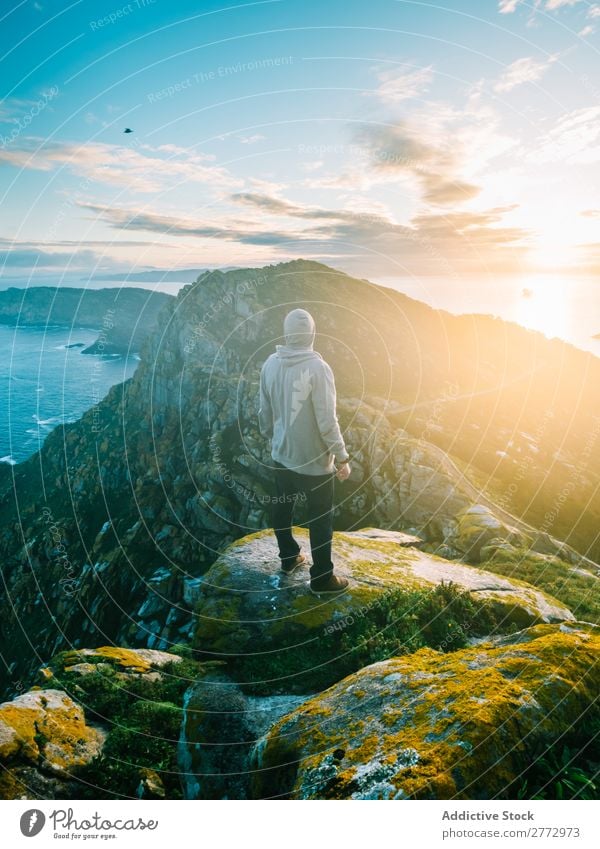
(315, 493)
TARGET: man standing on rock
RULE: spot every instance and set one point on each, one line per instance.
(298, 414)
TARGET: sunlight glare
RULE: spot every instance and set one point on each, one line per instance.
(544, 305)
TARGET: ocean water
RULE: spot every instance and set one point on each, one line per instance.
(44, 383)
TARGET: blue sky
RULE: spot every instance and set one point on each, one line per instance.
(387, 137)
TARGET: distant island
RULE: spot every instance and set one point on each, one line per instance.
(156, 275)
(123, 317)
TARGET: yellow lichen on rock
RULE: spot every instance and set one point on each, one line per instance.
(246, 601)
(435, 725)
(140, 661)
(47, 729)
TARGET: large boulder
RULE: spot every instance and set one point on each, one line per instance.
(220, 728)
(477, 527)
(113, 661)
(252, 615)
(433, 726)
(44, 731)
(104, 724)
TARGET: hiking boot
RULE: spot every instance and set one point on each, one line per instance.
(291, 567)
(332, 585)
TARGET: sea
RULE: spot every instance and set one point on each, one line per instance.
(44, 382)
(556, 305)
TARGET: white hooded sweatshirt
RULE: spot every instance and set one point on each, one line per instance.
(297, 402)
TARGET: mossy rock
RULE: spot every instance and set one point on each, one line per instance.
(137, 695)
(575, 586)
(220, 728)
(47, 730)
(270, 627)
(105, 725)
(433, 726)
(124, 661)
(477, 528)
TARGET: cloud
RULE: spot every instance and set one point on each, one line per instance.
(583, 33)
(252, 139)
(19, 113)
(145, 169)
(574, 139)
(397, 147)
(20, 259)
(267, 203)
(557, 4)
(441, 153)
(526, 70)
(131, 219)
(81, 255)
(441, 191)
(430, 243)
(395, 87)
(461, 242)
(402, 149)
(62, 243)
(507, 6)
(594, 12)
(589, 258)
(309, 167)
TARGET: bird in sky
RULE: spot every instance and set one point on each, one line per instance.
(127, 130)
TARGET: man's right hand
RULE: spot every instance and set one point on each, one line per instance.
(343, 472)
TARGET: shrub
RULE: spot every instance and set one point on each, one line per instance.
(567, 768)
(400, 622)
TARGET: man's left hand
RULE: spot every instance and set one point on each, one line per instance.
(343, 472)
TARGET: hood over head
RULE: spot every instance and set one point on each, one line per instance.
(299, 330)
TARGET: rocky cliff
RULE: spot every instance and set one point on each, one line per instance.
(461, 726)
(510, 717)
(418, 682)
(108, 532)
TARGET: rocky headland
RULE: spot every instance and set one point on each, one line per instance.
(143, 614)
(123, 317)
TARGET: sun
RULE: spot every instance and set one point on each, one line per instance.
(544, 304)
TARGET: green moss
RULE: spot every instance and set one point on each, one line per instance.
(500, 704)
(310, 616)
(143, 738)
(143, 717)
(245, 540)
(117, 656)
(398, 622)
(575, 590)
(210, 629)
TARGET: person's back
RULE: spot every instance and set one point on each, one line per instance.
(298, 413)
(305, 431)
